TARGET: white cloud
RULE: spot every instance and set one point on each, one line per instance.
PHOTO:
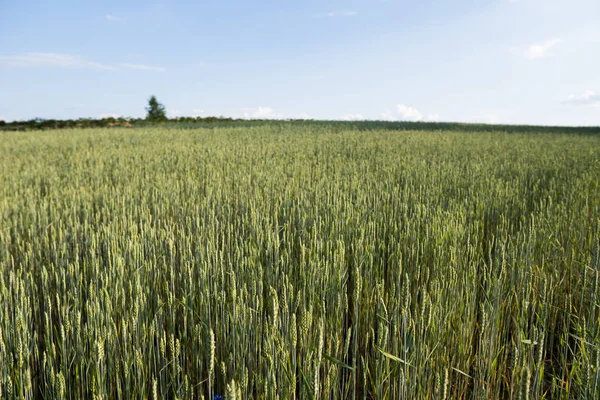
(197, 112)
(541, 50)
(261, 113)
(3, 118)
(589, 97)
(113, 18)
(342, 13)
(172, 113)
(27, 60)
(57, 60)
(407, 113)
(142, 67)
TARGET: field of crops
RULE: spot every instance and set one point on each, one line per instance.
(291, 261)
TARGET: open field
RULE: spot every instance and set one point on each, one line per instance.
(299, 261)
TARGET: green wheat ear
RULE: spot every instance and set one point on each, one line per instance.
(300, 260)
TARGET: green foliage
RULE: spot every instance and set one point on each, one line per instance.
(199, 122)
(299, 261)
(155, 110)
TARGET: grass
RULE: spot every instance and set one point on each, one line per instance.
(299, 261)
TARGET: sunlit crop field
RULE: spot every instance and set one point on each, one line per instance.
(291, 261)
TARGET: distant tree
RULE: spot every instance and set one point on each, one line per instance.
(156, 111)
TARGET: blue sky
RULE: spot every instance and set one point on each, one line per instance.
(496, 61)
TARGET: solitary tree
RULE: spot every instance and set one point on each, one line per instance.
(156, 111)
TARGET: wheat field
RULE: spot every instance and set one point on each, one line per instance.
(299, 261)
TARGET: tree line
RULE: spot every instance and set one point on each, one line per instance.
(156, 114)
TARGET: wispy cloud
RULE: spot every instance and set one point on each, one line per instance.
(541, 50)
(407, 113)
(142, 67)
(341, 13)
(113, 18)
(2, 118)
(56, 60)
(29, 60)
(589, 97)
